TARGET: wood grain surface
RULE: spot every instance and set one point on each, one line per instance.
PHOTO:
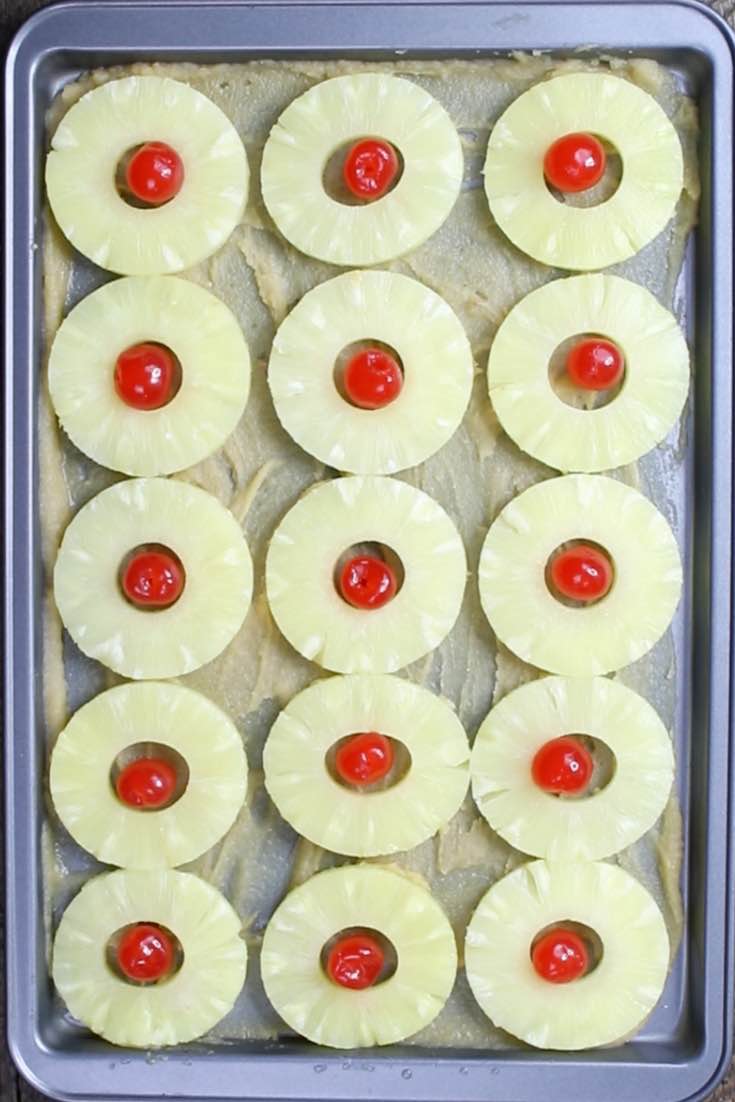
(13, 1087)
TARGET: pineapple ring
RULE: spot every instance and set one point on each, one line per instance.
(382, 899)
(564, 236)
(573, 829)
(178, 1009)
(168, 642)
(174, 716)
(197, 327)
(81, 168)
(620, 628)
(437, 362)
(345, 820)
(638, 418)
(345, 109)
(603, 1006)
(300, 575)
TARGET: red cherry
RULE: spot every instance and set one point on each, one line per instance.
(575, 162)
(372, 379)
(364, 758)
(355, 961)
(560, 956)
(145, 376)
(370, 168)
(145, 953)
(582, 573)
(562, 765)
(595, 364)
(155, 173)
(367, 582)
(146, 782)
(153, 579)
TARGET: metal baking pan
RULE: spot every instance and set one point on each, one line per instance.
(685, 1046)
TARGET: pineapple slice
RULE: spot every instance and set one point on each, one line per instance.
(105, 125)
(351, 820)
(639, 417)
(215, 374)
(120, 834)
(176, 1009)
(303, 556)
(620, 628)
(607, 1003)
(437, 372)
(580, 238)
(345, 109)
(137, 642)
(583, 828)
(366, 897)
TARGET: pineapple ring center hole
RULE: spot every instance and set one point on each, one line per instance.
(592, 941)
(604, 767)
(362, 761)
(370, 550)
(151, 577)
(364, 376)
(601, 191)
(112, 958)
(388, 949)
(333, 180)
(157, 792)
(572, 545)
(567, 389)
(123, 190)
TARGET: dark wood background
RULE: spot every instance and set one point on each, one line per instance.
(12, 1087)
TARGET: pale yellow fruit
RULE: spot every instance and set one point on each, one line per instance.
(114, 119)
(564, 828)
(606, 1004)
(348, 820)
(120, 718)
(579, 238)
(654, 388)
(365, 896)
(343, 110)
(304, 552)
(215, 374)
(168, 642)
(437, 372)
(606, 635)
(176, 1009)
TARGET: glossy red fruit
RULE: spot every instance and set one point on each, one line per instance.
(560, 956)
(153, 579)
(367, 582)
(355, 961)
(372, 379)
(364, 758)
(146, 376)
(595, 364)
(146, 783)
(582, 573)
(145, 953)
(574, 162)
(370, 168)
(562, 765)
(154, 173)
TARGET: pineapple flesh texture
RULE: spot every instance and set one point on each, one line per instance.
(639, 417)
(437, 366)
(81, 168)
(583, 238)
(343, 110)
(178, 718)
(575, 829)
(610, 1001)
(347, 820)
(215, 374)
(175, 1010)
(168, 642)
(599, 638)
(367, 896)
(304, 552)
